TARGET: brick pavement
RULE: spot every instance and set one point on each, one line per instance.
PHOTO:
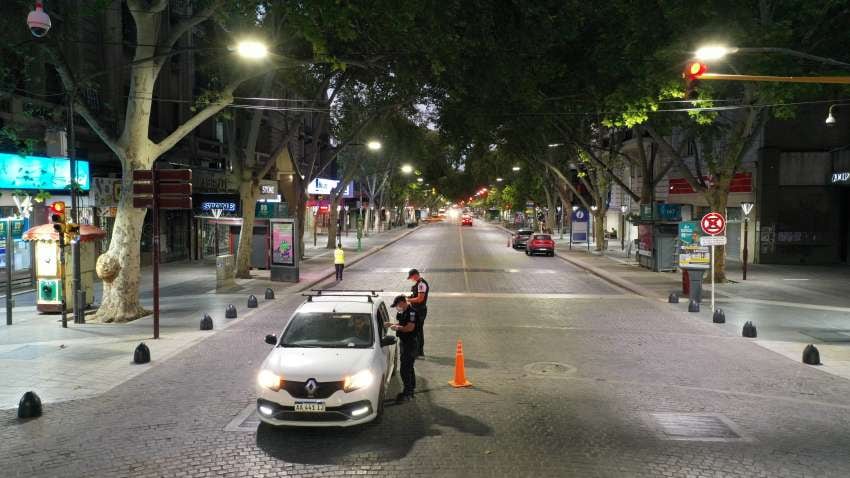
(562, 387)
(86, 360)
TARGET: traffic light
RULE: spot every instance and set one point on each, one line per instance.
(693, 71)
(57, 216)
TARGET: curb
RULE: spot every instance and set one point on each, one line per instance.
(606, 276)
(360, 258)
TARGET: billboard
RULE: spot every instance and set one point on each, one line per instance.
(579, 225)
(41, 172)
(324, 187)
(283, 249)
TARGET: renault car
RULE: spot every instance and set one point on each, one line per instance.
(331, 365)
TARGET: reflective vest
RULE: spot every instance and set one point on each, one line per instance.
(339, 256)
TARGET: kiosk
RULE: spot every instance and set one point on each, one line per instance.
(49, 277)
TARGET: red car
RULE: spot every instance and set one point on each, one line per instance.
(466, 220)
(540, 243)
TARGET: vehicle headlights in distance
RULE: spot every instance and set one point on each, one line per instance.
(270, 380)
(358, 380)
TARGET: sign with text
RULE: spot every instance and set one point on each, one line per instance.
(579, 227)
(17, 229)
(694, 257)
(324, 186)
(226, 206)
(689, 233)
(712, 241)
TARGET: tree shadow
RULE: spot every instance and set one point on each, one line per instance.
(402, 426)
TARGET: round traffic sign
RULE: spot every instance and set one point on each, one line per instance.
(713, 223)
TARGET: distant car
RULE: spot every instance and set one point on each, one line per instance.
(466, 220)
(331, 366)
(520, 238)
(540, 243)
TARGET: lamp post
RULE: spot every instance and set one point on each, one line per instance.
(746, 207)
(575, 208)
(623, 210)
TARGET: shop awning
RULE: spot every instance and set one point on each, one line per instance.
(45, 232)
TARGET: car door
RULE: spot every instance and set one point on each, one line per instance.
(388, 352)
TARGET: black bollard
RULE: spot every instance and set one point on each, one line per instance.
(673, 299)
(811, 356)
(269, 294)
(206, 322)
(142, 354)
(719, 316)
(749, 330)
(693, 306)
(29, 406)
(252, 301)
(230, 312)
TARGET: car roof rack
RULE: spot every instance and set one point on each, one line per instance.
(368, 293)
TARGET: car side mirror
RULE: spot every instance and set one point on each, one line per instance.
(387, 341)
(271, 339)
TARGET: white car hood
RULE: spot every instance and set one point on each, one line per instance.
(324, 365)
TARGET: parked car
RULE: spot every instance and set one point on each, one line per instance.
(466, 220)
(331, 366)
(520, 238)
(540, 243)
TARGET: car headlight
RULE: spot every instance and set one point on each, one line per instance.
(358, 380)
(270, 380)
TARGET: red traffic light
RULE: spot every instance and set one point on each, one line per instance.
(58, 207)
(695, 69)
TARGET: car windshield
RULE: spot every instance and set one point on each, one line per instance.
(523, 233)
(542, 237)
(329, 330)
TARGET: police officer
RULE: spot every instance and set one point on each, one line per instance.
(419, 300)
(406, 332)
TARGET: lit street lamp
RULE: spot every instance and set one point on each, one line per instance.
(515, 168)
(746, 208)
(374, 145)
(498, 180)
(406, 169)
(252, 50)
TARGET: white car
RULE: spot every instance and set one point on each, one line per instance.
(332, 365)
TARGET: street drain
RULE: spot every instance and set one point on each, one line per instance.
(695, 427)
(550, 369)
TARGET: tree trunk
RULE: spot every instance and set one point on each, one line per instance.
(550, 209)
(599, 229)
(718, 200)
(248, 192)
(334, 216)
(301, 218)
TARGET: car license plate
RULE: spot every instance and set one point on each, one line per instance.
(310, 407)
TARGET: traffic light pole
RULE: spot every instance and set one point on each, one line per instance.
(833, 80)
(155, 212)
(62, 277)
(10, 302)
(76, 273)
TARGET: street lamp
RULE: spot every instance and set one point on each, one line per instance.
(374, 145)
(830, 118)
(406, 169)
(252, 49)
(419, 180)
(575, 208)
(717, 52)
(713, 52)
(515, 168)
(746, 208)
(498, 180)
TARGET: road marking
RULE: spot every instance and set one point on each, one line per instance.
(463, 259)
(795, 279)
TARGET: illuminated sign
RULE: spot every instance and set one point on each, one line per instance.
(841, 177)
(325, 186)
(226, 206)
(40, 172)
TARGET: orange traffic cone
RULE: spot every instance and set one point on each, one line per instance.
(460, 372)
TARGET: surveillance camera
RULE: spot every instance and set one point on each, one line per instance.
(830, 120)
(38, 21)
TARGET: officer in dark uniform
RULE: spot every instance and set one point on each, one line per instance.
(419, 300)
(406, 333)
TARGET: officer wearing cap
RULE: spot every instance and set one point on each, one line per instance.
(406, 332)
(419, 301)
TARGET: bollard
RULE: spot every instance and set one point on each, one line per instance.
(29, 406)
(693, 306)
(142, 354)
(269, 293)
(811, 356)
(673, 298)
(252, 301)
(719, 316)
(206, 322)
(749, 330)
(230, 312)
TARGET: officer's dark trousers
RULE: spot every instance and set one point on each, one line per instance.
(409, 349)
(420, 330)
(339, 268)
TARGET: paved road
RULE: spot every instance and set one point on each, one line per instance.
(573, 377)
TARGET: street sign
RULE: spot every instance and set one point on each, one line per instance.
(140, 188)
(713, 224)
(164, 175)
(712, 241)
(165, 202)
